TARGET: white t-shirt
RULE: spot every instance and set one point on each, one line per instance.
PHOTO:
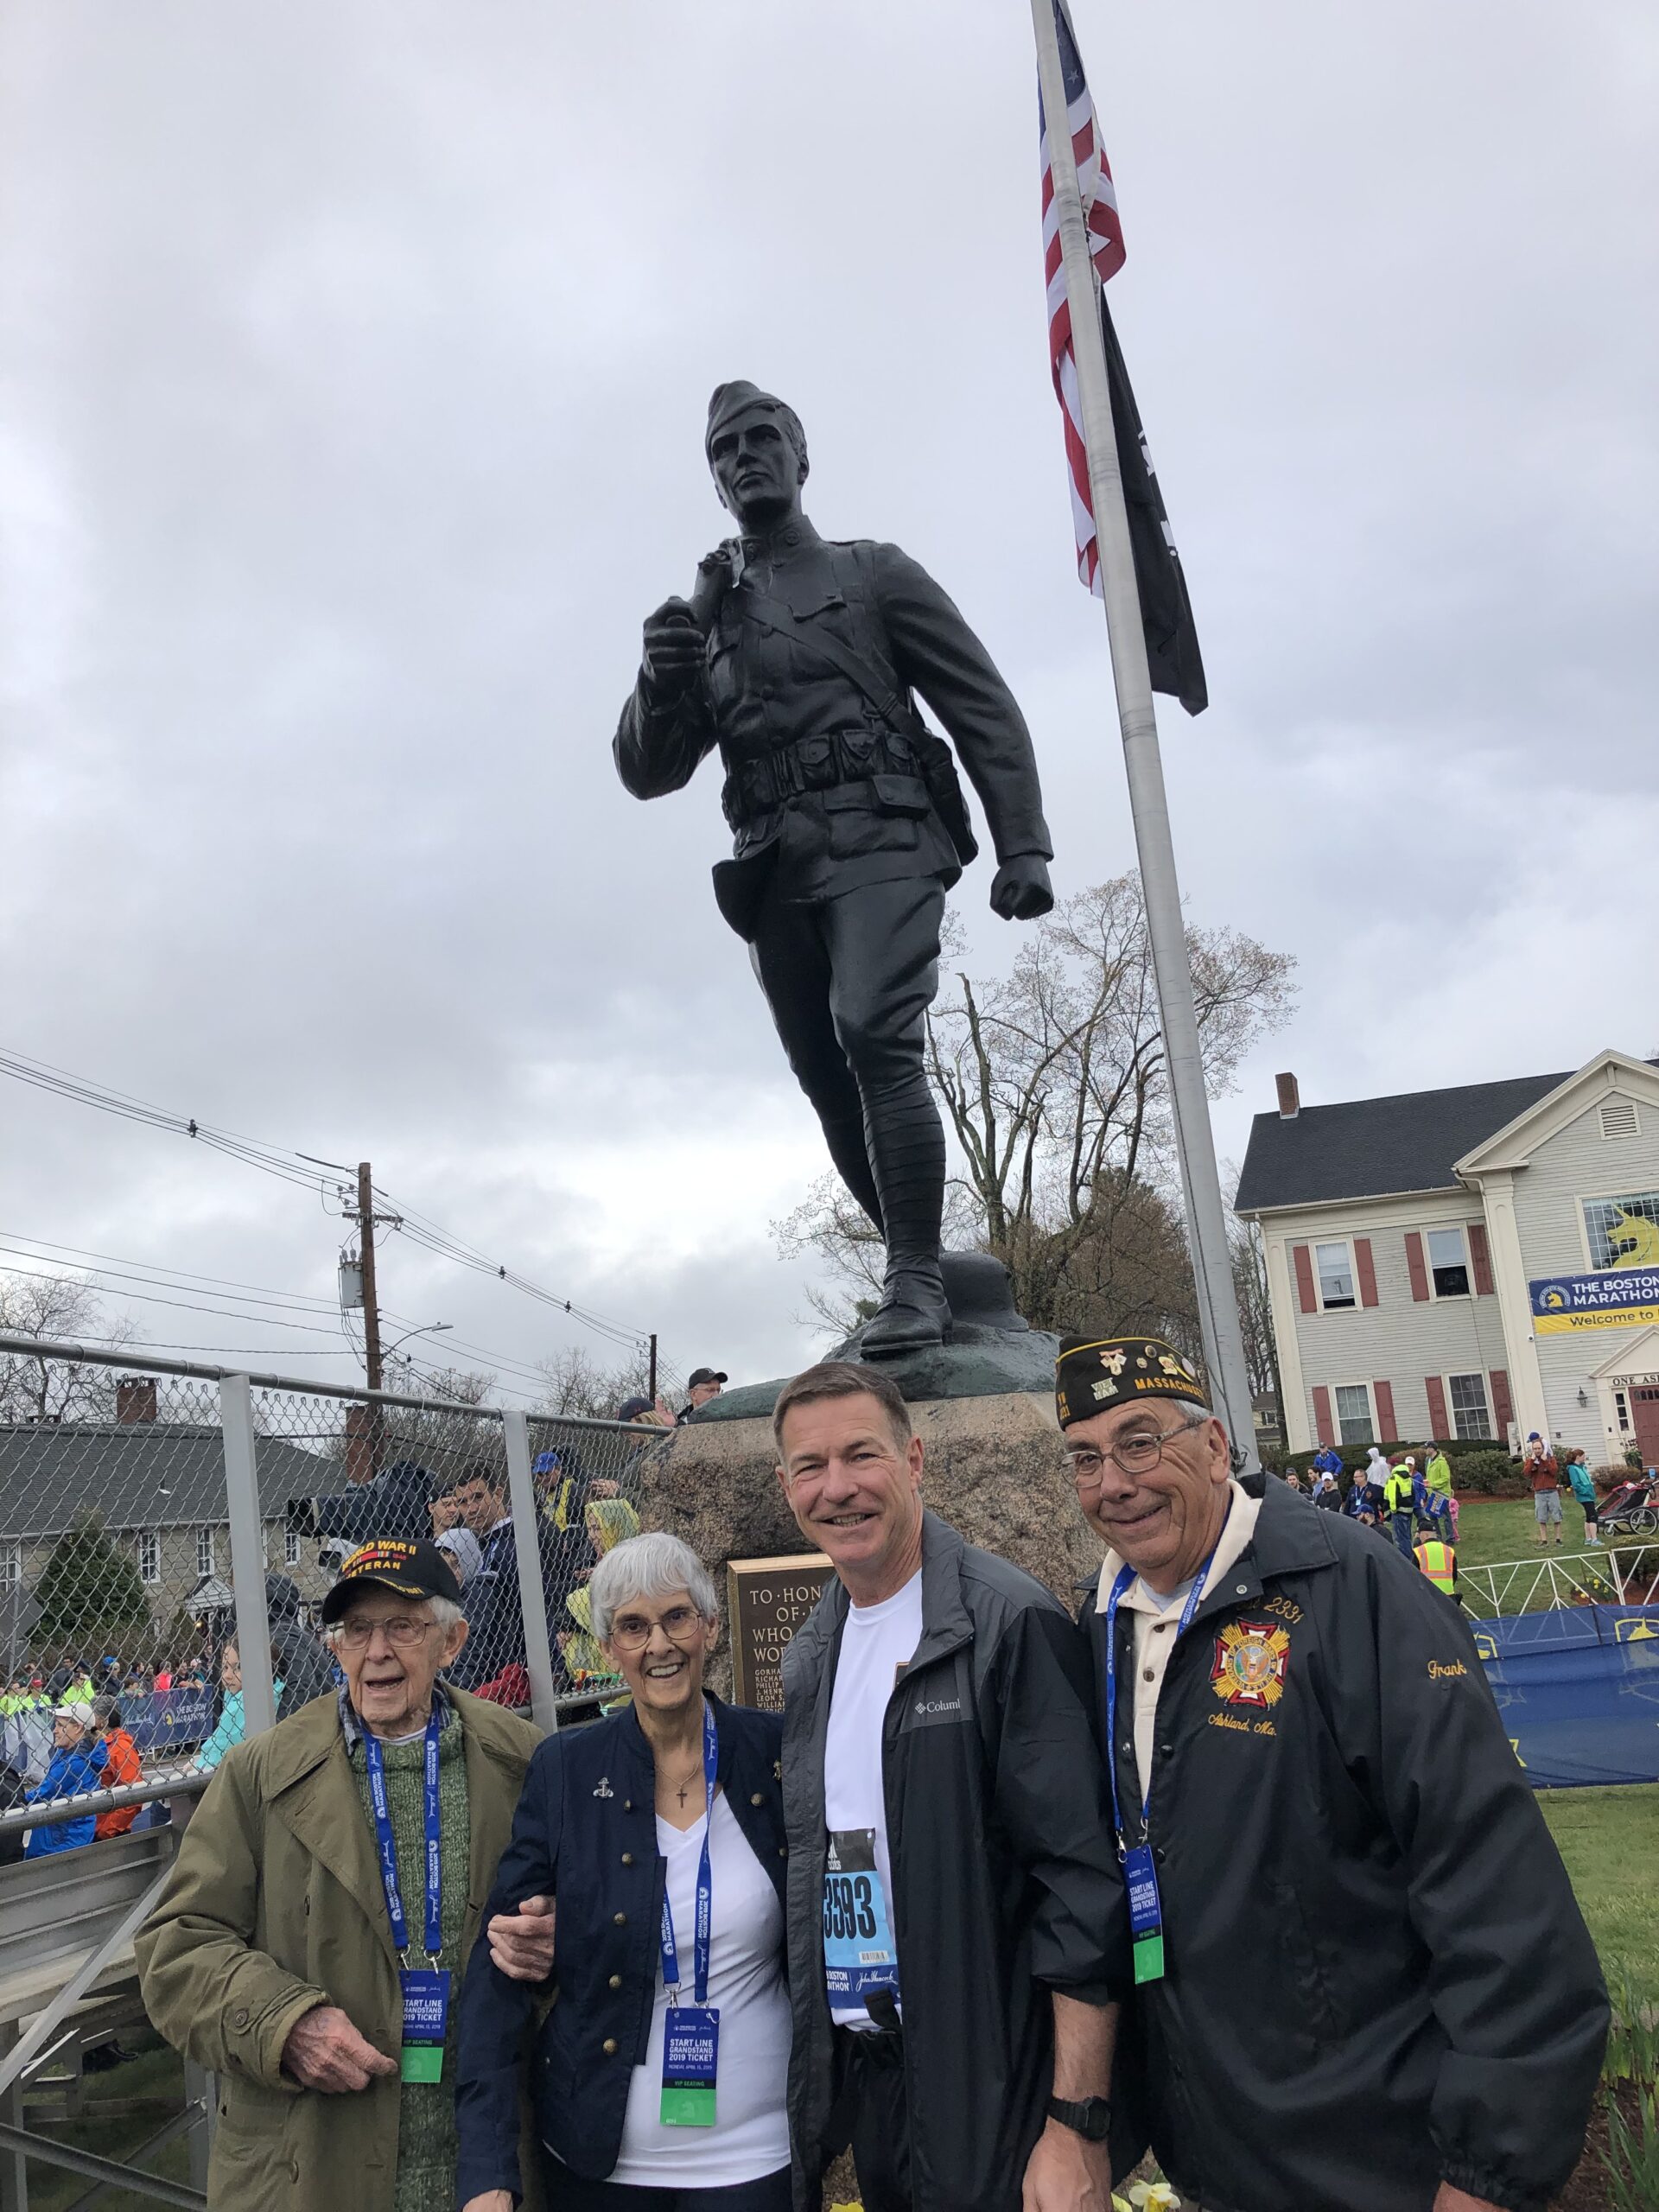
(750, 2136)
(877, 1640)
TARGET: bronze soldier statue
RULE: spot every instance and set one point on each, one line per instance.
(797, 657)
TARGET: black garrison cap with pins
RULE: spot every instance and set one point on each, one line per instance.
(1092, 1375)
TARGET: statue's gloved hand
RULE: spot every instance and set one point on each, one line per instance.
(1021, 891)
(673, 648)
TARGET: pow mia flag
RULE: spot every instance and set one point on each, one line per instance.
(1166, 611)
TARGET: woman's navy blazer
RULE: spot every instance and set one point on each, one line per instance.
(585, 1833)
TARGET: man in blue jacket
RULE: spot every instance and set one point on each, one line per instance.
(75, 1767)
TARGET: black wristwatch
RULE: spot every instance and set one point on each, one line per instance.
(1091, 2118)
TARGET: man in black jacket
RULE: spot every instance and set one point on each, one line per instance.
(956, 1928)
(1363, 1978)
(797, 657)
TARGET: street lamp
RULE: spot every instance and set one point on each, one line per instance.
(428, 1329)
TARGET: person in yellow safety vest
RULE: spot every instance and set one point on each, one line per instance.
(1438, 1476)
(1396, 1505)
(1440, 1563)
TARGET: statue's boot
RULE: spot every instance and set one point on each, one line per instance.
(906, 1143)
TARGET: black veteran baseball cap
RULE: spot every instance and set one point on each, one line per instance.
(1094, 1374)
(417, 1570)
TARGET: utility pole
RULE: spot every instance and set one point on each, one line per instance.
(370, 1305)
(650, 1388)
(367, 1218)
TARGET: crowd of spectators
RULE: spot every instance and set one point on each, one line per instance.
(581, 1517)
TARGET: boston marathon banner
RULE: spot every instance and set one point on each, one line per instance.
(1620, 1298)
(1578, 1688)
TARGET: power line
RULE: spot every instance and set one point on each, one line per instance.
(278, 1298)
(155, 1270)
(162, 1278)
(292, 1166)
(151, 1298)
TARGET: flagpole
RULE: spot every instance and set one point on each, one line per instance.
(1224, 1341)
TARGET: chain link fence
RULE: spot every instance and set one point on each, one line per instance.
(165, 1550)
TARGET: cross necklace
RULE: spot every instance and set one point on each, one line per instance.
(680, 1789)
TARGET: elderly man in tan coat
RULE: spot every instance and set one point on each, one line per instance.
(308, 1945)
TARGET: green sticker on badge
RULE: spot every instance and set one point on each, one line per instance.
(1148, 1959)
(422, 2061)
(687, 2105)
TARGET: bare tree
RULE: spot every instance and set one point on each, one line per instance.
(1249, 1259)
(67, 1309)
(1054, 1082)
(577, 1384)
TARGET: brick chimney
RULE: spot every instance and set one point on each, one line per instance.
(360, 1444)
(1290, 1099)
(135, 1399)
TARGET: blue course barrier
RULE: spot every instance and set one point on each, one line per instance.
(1578, 1690)
(162, 1724)
(167, 1719)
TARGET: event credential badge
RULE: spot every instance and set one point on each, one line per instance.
(690, 2062)
(859, 1954)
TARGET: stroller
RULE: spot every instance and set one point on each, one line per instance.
(1632, 1510)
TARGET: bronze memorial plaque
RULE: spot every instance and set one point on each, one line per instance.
(766, 1600)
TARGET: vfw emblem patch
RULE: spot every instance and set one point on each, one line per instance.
(1250, 1667)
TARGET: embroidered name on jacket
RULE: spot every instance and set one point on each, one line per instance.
(1249, 1663)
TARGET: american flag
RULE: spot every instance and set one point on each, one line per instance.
(1106, 249)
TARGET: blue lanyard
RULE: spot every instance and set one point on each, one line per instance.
(1126, 1576)
(705, 1885)
(387, 1843)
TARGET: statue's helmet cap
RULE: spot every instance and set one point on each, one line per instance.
(739, 399)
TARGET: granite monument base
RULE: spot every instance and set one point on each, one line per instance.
(993, 1468)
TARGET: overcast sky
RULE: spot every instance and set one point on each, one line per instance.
(354, 363)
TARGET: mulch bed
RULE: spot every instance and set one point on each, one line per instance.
(1587, 2189)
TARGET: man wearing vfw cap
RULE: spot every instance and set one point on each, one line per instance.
(797, 657)
(1361, 1977)
(281, 1956)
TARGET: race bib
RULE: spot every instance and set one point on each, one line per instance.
(859, 1953)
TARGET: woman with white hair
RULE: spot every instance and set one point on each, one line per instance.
(658, 2076)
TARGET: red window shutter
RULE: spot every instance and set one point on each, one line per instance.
(1364, 1271)
(1436, 1390)
(1502, 1411)
(1416, 1269)
(1322, 1421)
(1388, 1430)
(1303, 1261)
(1481, 1259)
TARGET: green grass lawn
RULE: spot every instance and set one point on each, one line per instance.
(1606, 1838)
(1498, 1530)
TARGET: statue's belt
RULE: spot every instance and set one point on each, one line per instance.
(903, 746)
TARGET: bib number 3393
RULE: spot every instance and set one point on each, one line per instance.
(859, 1954)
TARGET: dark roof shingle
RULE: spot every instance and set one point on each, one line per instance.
(1373, 1148)
(141, 1475)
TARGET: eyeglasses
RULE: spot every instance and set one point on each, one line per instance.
(680, 1623)
(402, 1631)
(1137, 1453)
